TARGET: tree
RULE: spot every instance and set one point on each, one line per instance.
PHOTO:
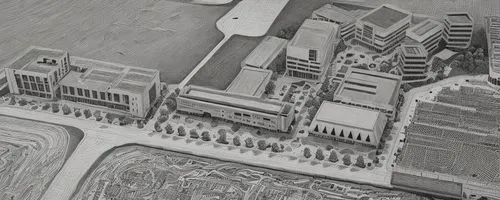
(46, 106)
(97, 115)
(162, 118)
(329, 95)
(169, 129)
(110, 117)
(12, 101)
(307, 152)
(158, 127)
(199, 125)
(23, 102)
(66, 110)
(325, 85)
(312, 112)
(319, 154)
(222, 137)
(347, 159)
(55, 107)
(87, 113)
(140, 124)
(181, 131)
(205, 136)
(171, 104)
(376, 160)
(236, 141)
(164, 112)
(261, 144)
(275, 147)
(360, 162)
(333, 157)
(249, 142)
(269, 88)
(235, 127)
(193, 134)
(78, 113)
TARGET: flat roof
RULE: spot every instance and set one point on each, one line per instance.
(370, 87)
(28, 60)
(104, 76)
(265, 52)
(351, 116)
(424, 30)
(314, 34)
(235, 100)
(413, 50)
(385, 16)
(462, 18)
(250, 81)
(338, 14)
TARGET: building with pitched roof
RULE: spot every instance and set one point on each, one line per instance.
(458, 30)
(427, 33)
(346, 19)
(493, 37)
(270, 51)
(250, 81)
(413, 62)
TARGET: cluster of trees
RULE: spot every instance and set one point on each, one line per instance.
(326, 92)
(472, 60)
(346, 160)
(269, 88)
(288, 32)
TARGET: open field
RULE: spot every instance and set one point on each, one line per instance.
(150, 173)
(31, 154)
(171, 36)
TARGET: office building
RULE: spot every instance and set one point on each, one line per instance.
(427, 33)
(269, 52)
(131, 90)
(370, 90)
(493, 38)
(244, 109)
(346, 19)
(311, 50)
(458, 28)
(413, 62)
(37, 72)
(348, 124)
(251, 82)
(383, 28)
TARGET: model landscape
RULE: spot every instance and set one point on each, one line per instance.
(251, 99)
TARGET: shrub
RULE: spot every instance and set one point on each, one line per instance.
(164, 112)
(110, 117)
(78, 113)
(319, 154)
(162, 118)
(235, 127)
(376, 160)
(23, 102)
(158, 127)
(97, 113)
(171, 104)
(87, 113)
(181, 131)
(66, 110)
(55, 107)
(329, 147)
(139, 124)
(214, 123)
(205, 136)
(347, 159)
(261, 144)
(360, 162)
(169, 129)
(236, 141)
(249, 142)
(269, 88)
(193, 134)
(12, 101)
(307, 152)
(333, 157)
(222, 137)
(199, 125)
(275, 147)
(46, 106)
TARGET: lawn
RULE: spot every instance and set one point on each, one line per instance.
(170, 36)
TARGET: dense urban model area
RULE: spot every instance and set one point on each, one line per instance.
(250, 100)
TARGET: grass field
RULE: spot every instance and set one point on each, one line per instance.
(170, 36)
(221, 69)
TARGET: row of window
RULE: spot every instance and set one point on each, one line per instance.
(37, 94)
(97, 102)
(350, 136)
(96, 95)
(32, 85)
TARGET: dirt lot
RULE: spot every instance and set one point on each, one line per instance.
(171, 36)
(221, 69)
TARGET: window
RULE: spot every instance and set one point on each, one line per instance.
(246, 115)
(125, 99)
(237, 114)
(116, 97)
(38, 79)
(32, 79)
(40, 87)
(33, 86)
(72, 90)
(333, 131)
(80, 91)
(87, 93)
(350, 135)
(359, 137)
(368, 138)
(65, 90)
(47, 88)
(103, 95)
(267, 119)
(45, 80)
(25, 78)
(342, 133)
(316, 129)
(325, 131)
(94, 94)
(109, 96)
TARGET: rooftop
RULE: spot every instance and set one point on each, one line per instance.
(250, 81)
(351, 116)
(337, 14)
(32, 59)
(385, 16)
(369, 87)
(265, 52)
(103, 76)
(462, 18)
(424, 30)
(314, 34)
(414, 50)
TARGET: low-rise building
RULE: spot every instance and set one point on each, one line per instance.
(250, 82)
(371, 90)
(346, 19)
(427, 33)
(311, 50)
(413, 62)
(269, 52)
(458, 30)
(252, 111)
(382, 29)
(37, 72)
(493, 38)
(348, 124)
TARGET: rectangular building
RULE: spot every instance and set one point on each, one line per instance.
(252, 111)
(311, 50)
(348, 124)
(383, 28)
(269, 52)
(458, 30)
(413, 62)
(493, 38)
(37, 72)
(128, 89)
(369, 89)
(428, 33)
(346, 19)
(250, 82)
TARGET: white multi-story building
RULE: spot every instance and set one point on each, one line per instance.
(413, 62)
(383, 28)
(348, 124)
(458, 30)
(37, 72)
(268, 53)
(428, 33)
(346, 19)
(493, 37)
(311, 50)
(249, 110)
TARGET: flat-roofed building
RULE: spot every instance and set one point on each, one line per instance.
(348, 124)
(413, 62)
(131, 90)
(269, 52)
(428, 33)
(311, 50)
(371, 90)
(458, 30)
(250, 82)
(493, 38)
(346, 19)
(252, 111)
(383, 28)
(37, 72)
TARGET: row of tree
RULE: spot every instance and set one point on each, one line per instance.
(360, 162)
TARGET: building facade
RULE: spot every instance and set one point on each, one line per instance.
(269, 52)
(458, 30)
(427, 33)
(37, 72)
(346, 19)
(348, 124)
(493, 38)
(311, 50)
(383, 29)
(252, 111)
(413, 62)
